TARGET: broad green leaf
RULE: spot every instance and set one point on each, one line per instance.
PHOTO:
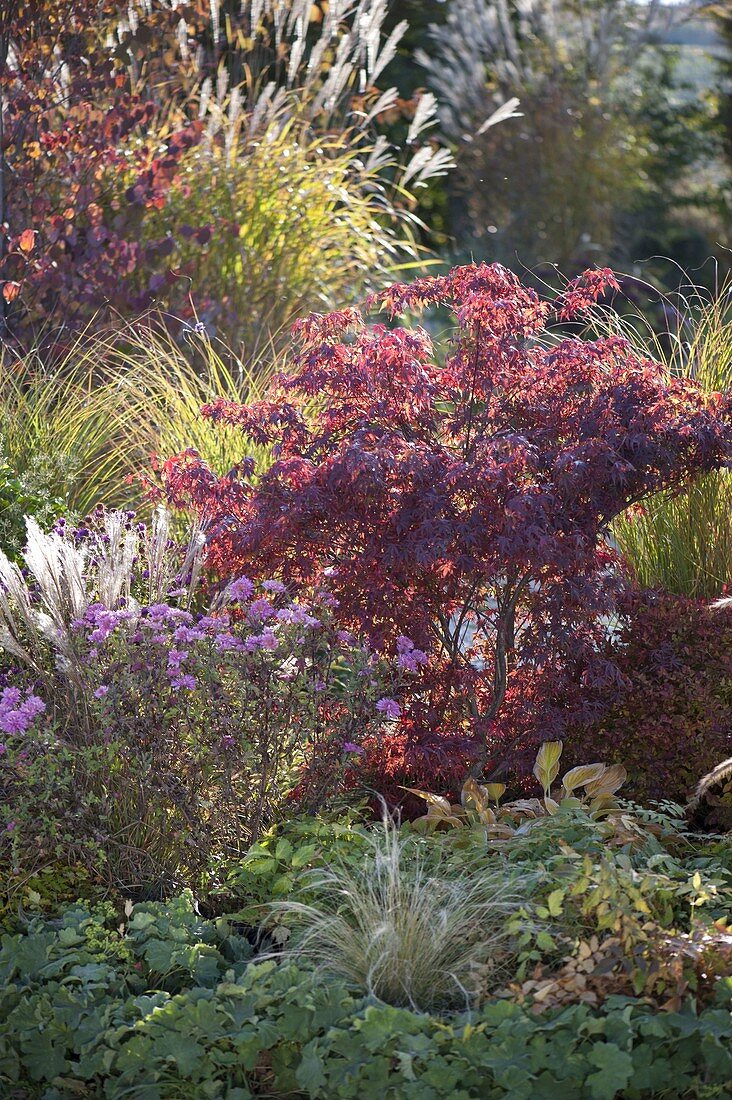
(495, 791)
(554, 902)
(615, 1071)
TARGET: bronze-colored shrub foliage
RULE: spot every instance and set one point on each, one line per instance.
(673, 723)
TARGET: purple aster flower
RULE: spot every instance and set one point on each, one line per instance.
(187, 682)
(10, 697)
(176, 658)
(17, 715)
(389, 708)
(349, 746)
(261, 610)
(101, 691)
(241, 589)
(226, 641)
(412, 659)
(273, 586)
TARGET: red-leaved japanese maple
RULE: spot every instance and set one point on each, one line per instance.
(460, 500)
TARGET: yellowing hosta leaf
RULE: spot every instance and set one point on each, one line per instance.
(550, 805)
(500, 831)
(602, 804)
(495, 791)
(486, 815)
(435, 800)
(472, 792)
(578, 777)
(546, 765)
(525, 806)
(609, 782)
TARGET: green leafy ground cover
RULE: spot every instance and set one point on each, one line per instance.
(155, 1001)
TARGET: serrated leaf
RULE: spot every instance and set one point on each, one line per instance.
(283, 849)
(615, 1071)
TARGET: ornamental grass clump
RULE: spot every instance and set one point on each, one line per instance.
(461, 497)
(405, 931)
(682, 542)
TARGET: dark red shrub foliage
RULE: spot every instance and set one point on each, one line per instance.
(673, 722)
(460, 500)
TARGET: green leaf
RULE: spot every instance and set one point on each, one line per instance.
(554, 902)
(303, 856)
(283, 851)
(309, 1073)
(615, 1071)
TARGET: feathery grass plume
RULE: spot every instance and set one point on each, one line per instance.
(717, 775)
(303, 219)
(404, 931)
(683, 542)
(116, 563)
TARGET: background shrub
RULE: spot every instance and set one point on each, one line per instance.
(194, 163)
(673, 721)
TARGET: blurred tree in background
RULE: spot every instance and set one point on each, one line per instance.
(616, 157)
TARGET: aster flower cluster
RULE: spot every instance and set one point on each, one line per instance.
(249, 622)
(193, 728)
(19, 710)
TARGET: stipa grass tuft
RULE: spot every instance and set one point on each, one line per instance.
(408, 932)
